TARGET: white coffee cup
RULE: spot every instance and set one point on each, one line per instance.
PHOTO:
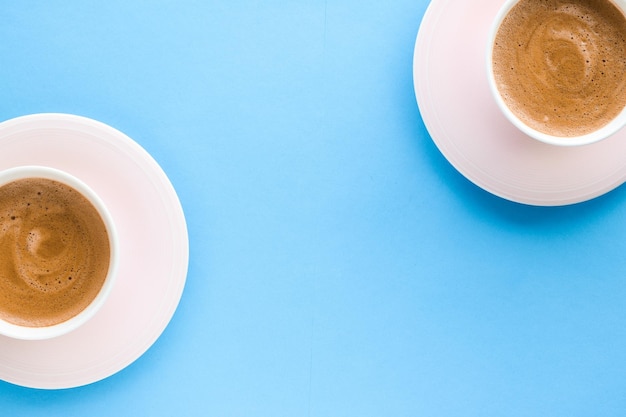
(601, 133)
(38, 333)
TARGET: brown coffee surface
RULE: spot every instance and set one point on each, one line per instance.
(54, 252)
(560, 65)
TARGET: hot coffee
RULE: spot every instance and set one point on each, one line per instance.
(54, 252)
(560, 65)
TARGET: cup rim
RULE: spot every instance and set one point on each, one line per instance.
(607, 130)
(47, 332)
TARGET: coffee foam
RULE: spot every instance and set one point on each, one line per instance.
(54, 252)
(560, 65)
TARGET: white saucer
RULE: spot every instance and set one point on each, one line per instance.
(154, 250)
(458, 111)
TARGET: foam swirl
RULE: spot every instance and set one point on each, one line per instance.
(43, 255)
(561, 64)
(564, 46)
(54, 252)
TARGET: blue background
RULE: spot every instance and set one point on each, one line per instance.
(339, 266)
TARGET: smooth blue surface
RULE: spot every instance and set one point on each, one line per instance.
(339, 265)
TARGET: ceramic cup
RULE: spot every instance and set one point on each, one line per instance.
(29, 331)
(610, 127)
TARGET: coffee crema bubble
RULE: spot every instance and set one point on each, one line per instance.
(54, 252)
(560, 65)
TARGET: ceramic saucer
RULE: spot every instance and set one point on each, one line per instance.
(449, 70)
(153, 240)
